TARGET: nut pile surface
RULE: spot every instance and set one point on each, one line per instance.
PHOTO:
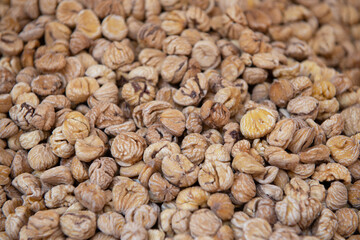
(180, 119)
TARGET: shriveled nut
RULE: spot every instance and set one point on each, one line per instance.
(135, 93)
(88, 24)
(160, 190)
(128, 194)
(89, 148)
(270, 191)
(192, 198)
(232, 67)
(60, 196)
(221, 205)
(288, 211)
(79, 89)
(204, 222)
(257, 123)
(43, 117)
(41, 157)
(207, 54)
(114, 28)
(302, 139)
(348, 220)
(323, 90)
(332, 171)
(302, 170)
(333, 126)
(281, 92)
(351, 125)
(42, 224)
(243, 189)
(151, 36)
(10, 205)
(156, 152)
(337, 196)
(173, 120)
(78, 224)
(297, 189)
(217, 152)
(353, 192)
(344, 150)
(231, 98)
(215, 176)
(173, 68)
(257, 228)
(145, 215)
(49, 84)
(303, 107)
(15, 221)
(193, 147)
(7, 128)
(10, 43)
(314, 154)
(50, 62)
(117, 55)
(132, 230)
(268, 176)
(75, 126)
(197, 18)
(325, 226)
(5, 103)
(128, 148)
(57, 175)
(214, 114)
(91, 196)
(79, 170)
(178, 170)
(280, 158)
(282, 134)
(102, 171)
(310, 209)
(4, 175)
(245, 163)
(58, 143)
(111, 223)
(29, 140)
(193, 91)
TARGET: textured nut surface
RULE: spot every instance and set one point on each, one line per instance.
(179, 170)
(78, 224)
(177, 119)
(91, 196)
(204, 222)
(344, 150)
(111, 223)
(128, 194)
(75, 126)
(127, 148)
(257, 123)
(41, 157)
